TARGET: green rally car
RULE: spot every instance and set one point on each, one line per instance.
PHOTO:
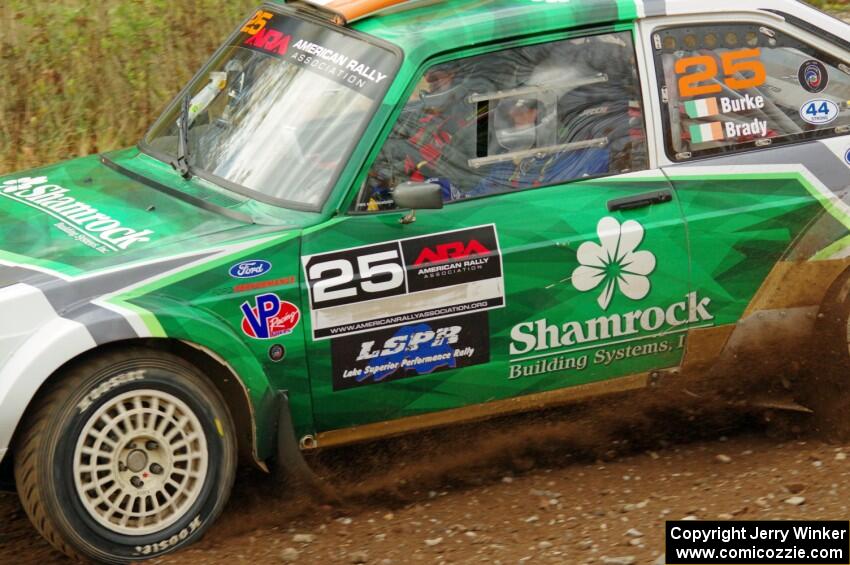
(367, 217)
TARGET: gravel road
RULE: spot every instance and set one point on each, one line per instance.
(526, 489)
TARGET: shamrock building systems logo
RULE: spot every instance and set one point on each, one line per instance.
(81, 221)
(614, 264)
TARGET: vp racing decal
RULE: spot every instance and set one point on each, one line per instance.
(269, 317)
(417, 349)
(401, 282)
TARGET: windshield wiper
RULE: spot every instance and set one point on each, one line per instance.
(181, 165)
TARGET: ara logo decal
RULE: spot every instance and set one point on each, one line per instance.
(250, 269)
(847, 157)
(270, 40)
(814, 76)
(269, 317)
(615, 263)
(453, 250)
(819, 112)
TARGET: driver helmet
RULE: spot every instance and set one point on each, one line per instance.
(445, 88)
(516, 123)
(530, 120)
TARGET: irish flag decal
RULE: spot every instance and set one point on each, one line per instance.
(702, 108)
(707, 132)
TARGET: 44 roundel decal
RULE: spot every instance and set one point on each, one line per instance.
(269, 317)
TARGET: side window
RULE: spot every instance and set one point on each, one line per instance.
(733, 87)
(515, 120)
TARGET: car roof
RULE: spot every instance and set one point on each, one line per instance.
(349, 11)
(424, 28)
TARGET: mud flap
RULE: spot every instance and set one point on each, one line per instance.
(291, 470)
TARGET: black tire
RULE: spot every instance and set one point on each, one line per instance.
(136, 388)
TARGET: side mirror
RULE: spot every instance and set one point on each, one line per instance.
(418, 196)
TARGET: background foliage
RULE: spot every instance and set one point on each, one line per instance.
(81, 76)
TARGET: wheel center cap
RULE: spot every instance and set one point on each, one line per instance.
(137, 460)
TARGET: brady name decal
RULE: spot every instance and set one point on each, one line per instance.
(718, 131)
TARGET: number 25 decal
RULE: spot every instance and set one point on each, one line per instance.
(257, 23)
(735, 63)
(354, 277)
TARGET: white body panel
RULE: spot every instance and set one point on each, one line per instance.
(50, 346)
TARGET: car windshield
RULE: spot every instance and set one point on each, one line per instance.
(276, 114)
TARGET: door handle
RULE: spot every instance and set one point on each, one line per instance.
(640, 200)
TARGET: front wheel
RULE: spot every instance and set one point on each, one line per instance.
(126, 457)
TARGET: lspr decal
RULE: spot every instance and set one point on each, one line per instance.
(269, 317)
(413, 350)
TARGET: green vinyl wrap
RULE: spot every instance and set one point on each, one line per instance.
(735, 229)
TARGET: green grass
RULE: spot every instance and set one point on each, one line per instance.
(81, 76)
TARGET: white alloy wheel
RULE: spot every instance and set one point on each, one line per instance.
(140, 462)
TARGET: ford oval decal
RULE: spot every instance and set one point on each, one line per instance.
(250, 269)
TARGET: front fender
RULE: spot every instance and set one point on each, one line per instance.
(203, 331)
(42, 342)
(36, 342)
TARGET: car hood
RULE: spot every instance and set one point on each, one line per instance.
(96, 213)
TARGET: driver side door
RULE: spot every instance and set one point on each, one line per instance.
(535, 278)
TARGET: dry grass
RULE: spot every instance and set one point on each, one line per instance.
(81, 76)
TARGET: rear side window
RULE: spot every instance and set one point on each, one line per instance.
(736, 87)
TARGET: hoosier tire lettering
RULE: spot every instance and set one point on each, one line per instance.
(103, 388)
(170, 542)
